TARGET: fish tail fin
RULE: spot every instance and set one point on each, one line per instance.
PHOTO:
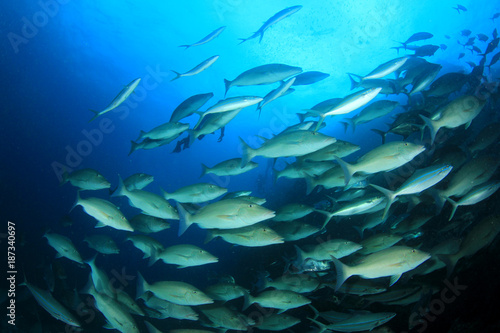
(121, 190)
(111, 191)
(227, 85)
(96, 114)
(360, 230)
(302, 117)
(134, 146)
(77, 202)
(65, 178)
(381, 133)
(261, 36)
(177, 75)
(184, 219)
(454, 205)
(209, 237)
(343, 272)
(301, 255)
(354, 83)
(248, 153)
(345, 124)
(242, 40)
(432, 127)
(165, 194)
(322, 327)
(142, 286)
(192, 136)
(450, 260)
(328, 217)
(153, 257)
(390, 195)
(185, 46)
(310, 184)
(141, 135)
(276, 175)
(249, 300)
(438, 198)
(347, 168)
(89, 287)
(204, 170)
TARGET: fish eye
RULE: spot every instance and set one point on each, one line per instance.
(250, 205)
(413, 250)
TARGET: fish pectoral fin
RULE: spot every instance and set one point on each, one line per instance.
(99, 225)
(394, 279)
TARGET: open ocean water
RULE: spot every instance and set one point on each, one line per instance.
(62, 58)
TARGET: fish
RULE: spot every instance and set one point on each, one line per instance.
(357, 322)
(477, 194)
(417, 37)
(292, 211)
(386, 157)
(211, 36)
(354, 208)
(211, 123)
(86, 179)
(295, 143)
(378, 242)
(494, 59)
(277, 322)
(230, 104)
(384, 69)
(488, 136)
(225, 291)
(102, 244)
(373, 111)
(116, 314)
(460, 8)
(495, 16)
(195, 193)
(225, 318)
(99, 279)
(229, 167)
(45, 299)
(458, 112)
(224, 214)
(119, 99)
(339, 148)
(392, 262)
(197, 69)
(423, 79)
(282, 14)
(482, 37)
(491, 46)
(446, 84)
(295, 230)
(148, 144)
(185, 255)
(426, 50)
(148, 224)
(177, 292)
(276, 93)
(189, 106)
(164, 131)
(265, 74)
(105, 212)
(348, 104)
(299, 283)
(480, 236)
(465, 32)
(150, 203)
(147, 244)
(308, 78)
(421, 180)
(64, 246)
(337, 248)
(138, 181)
(255, 235)
(278, 299)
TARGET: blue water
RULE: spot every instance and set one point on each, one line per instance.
(62, 58)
